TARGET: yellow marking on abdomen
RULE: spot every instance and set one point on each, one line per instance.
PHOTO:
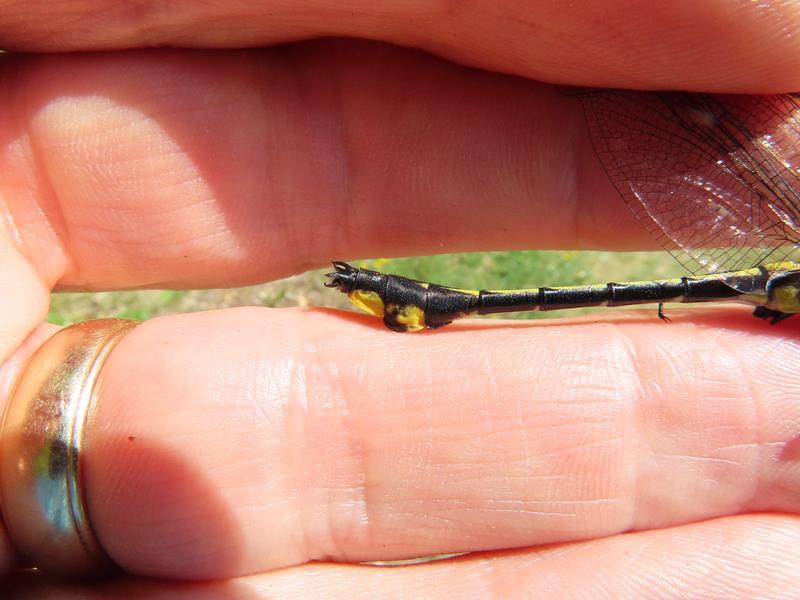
(369, 302)
(413, 317)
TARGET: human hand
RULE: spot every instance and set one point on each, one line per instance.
(611, 457)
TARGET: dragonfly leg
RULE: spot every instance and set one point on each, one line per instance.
(774, 316)
(661, 314)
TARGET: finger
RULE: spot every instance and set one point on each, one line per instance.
(246, 440)
(736, 557)
(199, 169)
(24, 294)
(717, 45)
(168, 168)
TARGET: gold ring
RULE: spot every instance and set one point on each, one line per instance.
(41, 440)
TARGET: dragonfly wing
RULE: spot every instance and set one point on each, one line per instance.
(712, 177)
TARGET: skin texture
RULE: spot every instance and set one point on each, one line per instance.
(616, 454)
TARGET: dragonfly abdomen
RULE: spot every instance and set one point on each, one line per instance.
(410, 305)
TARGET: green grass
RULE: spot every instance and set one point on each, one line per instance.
(498, 270)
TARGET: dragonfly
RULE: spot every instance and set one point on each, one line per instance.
(714, 178)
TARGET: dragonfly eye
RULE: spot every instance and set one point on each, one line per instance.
(343, 278)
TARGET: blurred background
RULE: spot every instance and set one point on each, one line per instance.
(492, 270)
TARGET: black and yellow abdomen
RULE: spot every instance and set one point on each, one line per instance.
(409, 305)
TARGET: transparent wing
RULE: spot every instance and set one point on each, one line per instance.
(714, 178)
